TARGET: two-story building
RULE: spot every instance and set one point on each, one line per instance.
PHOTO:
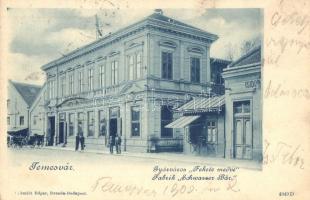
(227, 125)
(127, 83)
(20, 98)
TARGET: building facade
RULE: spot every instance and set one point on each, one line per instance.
(20, 97)
(127, 84)
(37, 116)
(228, 125)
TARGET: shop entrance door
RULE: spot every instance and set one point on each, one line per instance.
(113, 127)
(243, 138)
(62, 132)
(51, 131)
(243, 134)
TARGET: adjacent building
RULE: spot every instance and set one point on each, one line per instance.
(37, 121)
(227, 125)
(128, 84)
(20, 98)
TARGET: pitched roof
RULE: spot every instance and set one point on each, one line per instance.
(29, 92)
(253, 56)
(219, 61)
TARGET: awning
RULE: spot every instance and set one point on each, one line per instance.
(182, 121)
(200, 104)
(18, 132)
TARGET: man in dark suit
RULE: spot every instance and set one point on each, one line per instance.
(111, 143)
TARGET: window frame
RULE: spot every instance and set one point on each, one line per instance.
(194, 69)
(21, 119)
(164, 122)
(71, 124)
(165, 62)
(90, 124)
(138, 121)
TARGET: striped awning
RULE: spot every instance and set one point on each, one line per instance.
(203, 105)
(182, 122)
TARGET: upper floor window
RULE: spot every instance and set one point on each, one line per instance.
(139, 64)
(80, 82)
(51, 89)
(195, 70)
(90, 79)
(166, 65)
(71, 84)
(131, 67)
(8, 120)
(35, 120)
(102, 76)
(114, 71)
(63, 86)
(8, 103)
(21, 120)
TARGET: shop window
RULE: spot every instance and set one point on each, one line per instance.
(21, 120)
(90, 123)
(166, 118)
(212, 131)
(166, 62)
(71, 124)
(102, 123)
(135, 121)
(80, 123)
(195, 70)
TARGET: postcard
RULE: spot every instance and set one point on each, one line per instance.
(116, 99)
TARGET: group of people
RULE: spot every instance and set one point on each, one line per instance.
(113, 141)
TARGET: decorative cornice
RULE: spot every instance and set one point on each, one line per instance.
(195, 49)
(149, 24)
(168, 43)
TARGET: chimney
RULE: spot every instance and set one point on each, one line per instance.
(159, 11)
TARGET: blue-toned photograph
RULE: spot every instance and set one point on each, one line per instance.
(172, 84)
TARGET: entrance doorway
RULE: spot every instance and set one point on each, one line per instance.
(51, 131)
(62, 132)
(243, 138)
(113, 127)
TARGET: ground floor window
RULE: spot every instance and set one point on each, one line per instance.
(212, 131)
(102, 123)
(166, 118)
(90, 123)
(71, 124)
(80, 123)
(135, 121)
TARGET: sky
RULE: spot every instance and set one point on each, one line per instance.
(38, 36)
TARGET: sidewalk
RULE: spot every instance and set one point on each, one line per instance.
(176, 157)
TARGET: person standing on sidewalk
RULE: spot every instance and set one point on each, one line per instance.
(111, 143)
(79, 139)
(118, 141)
